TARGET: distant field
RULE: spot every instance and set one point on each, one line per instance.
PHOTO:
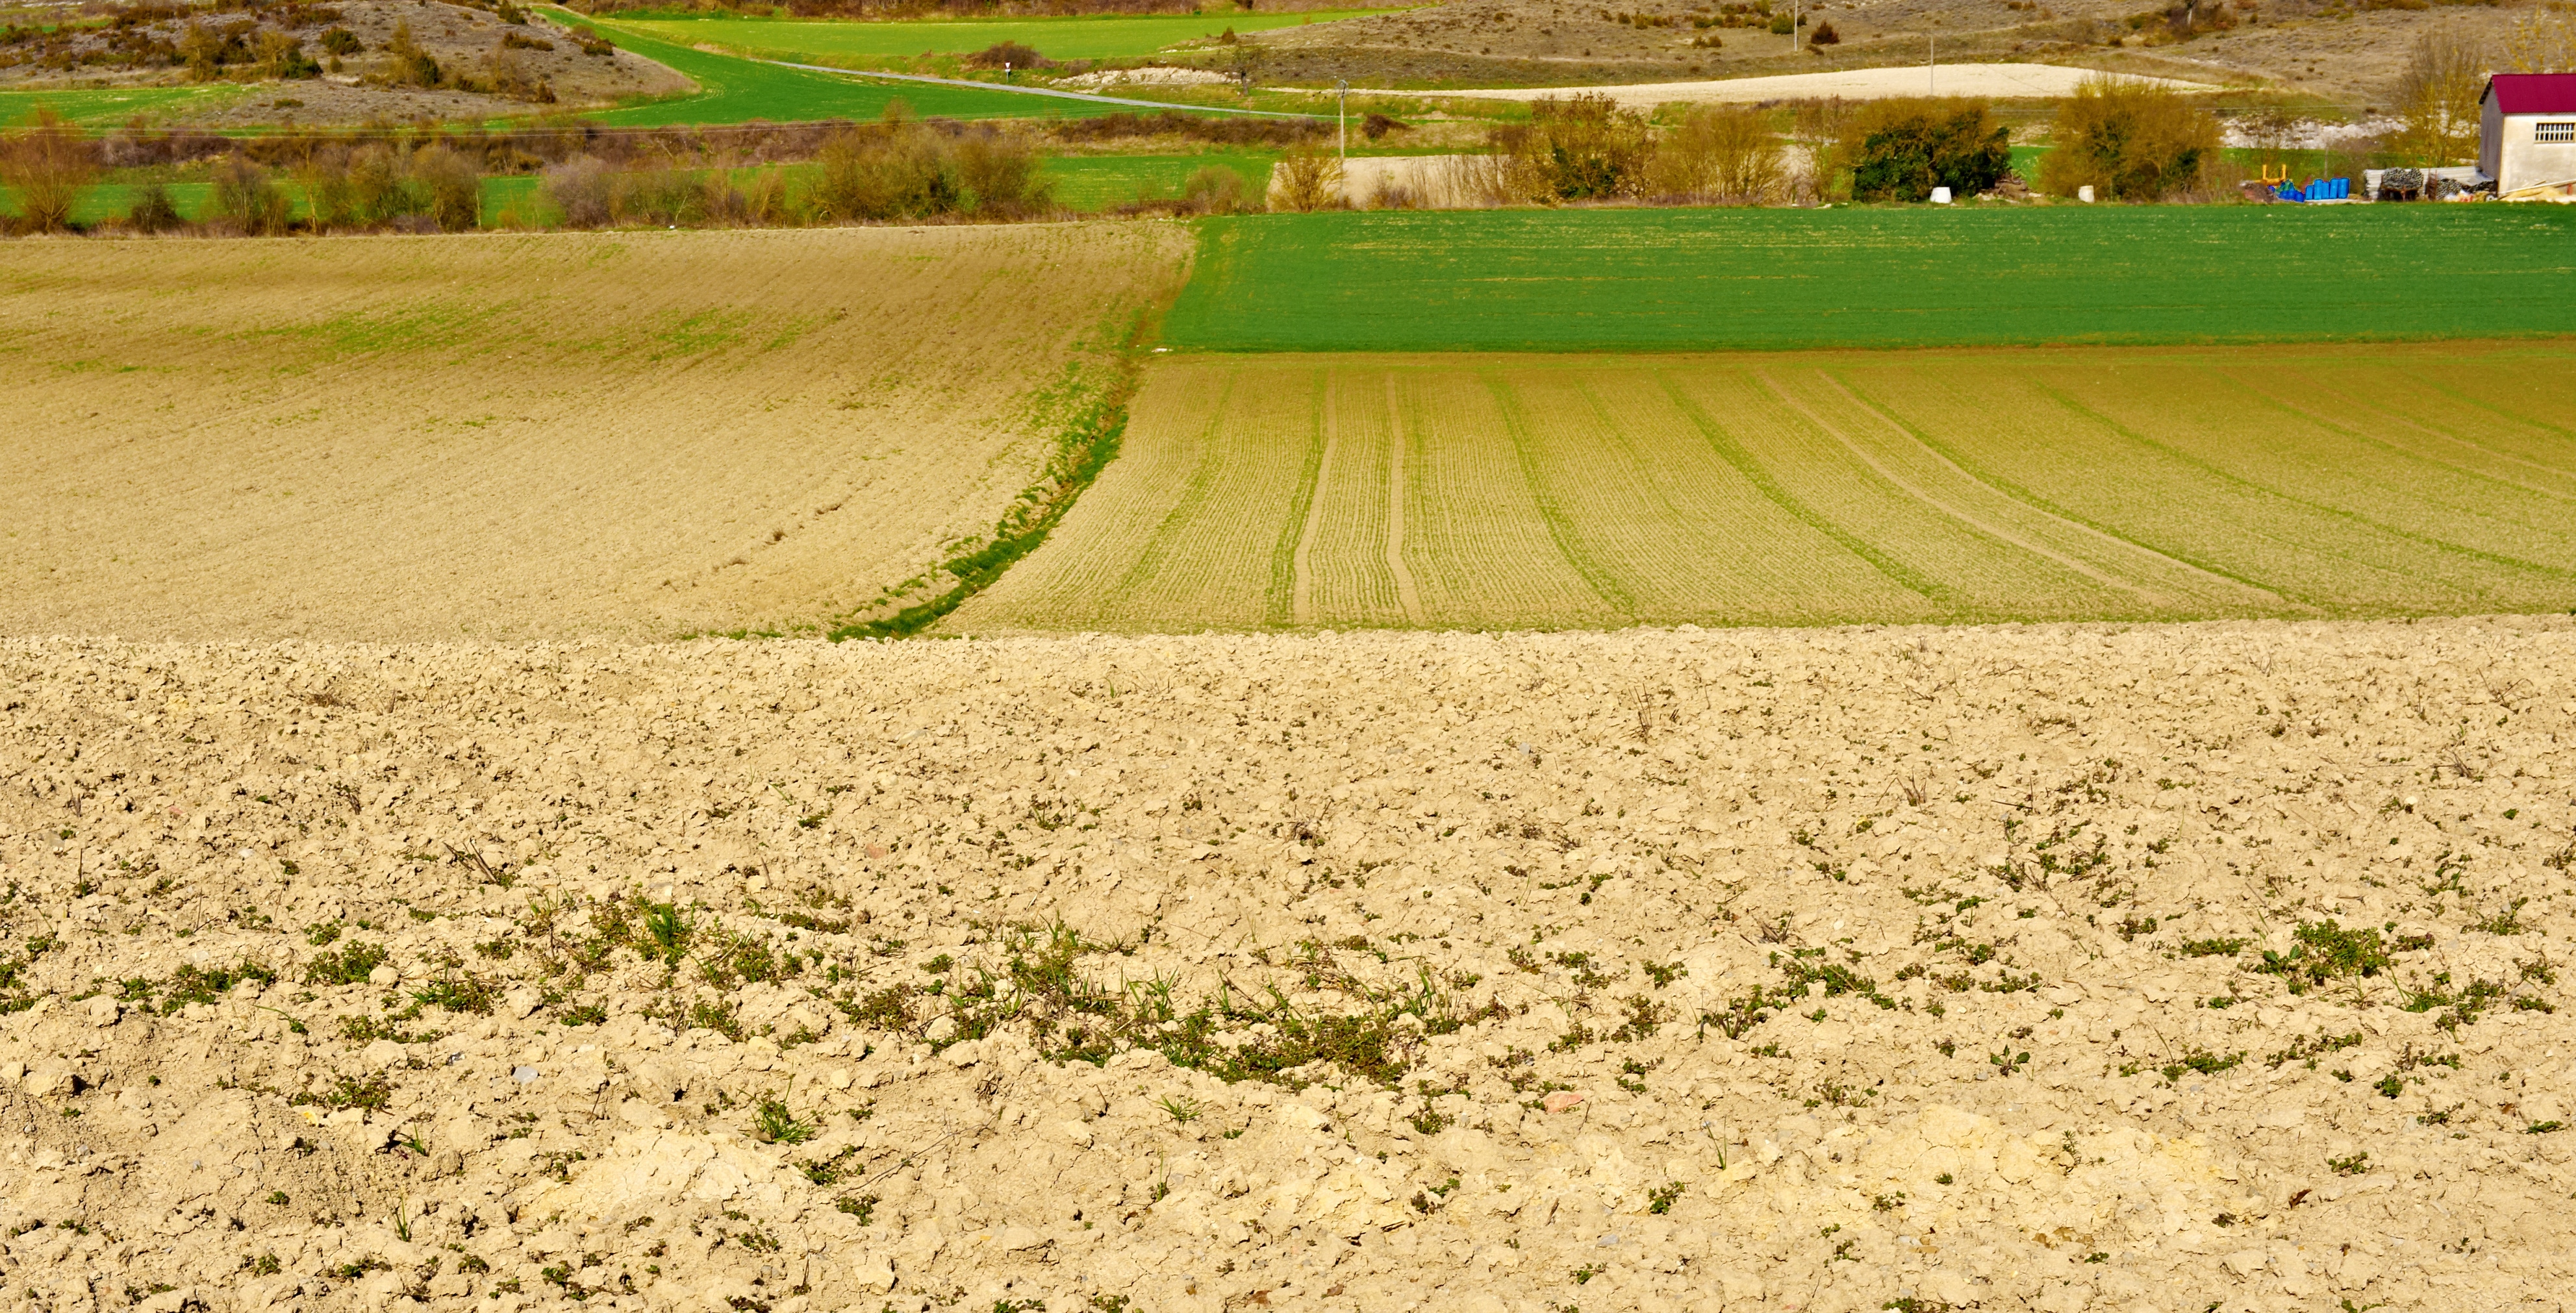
(1555, 280)
(104, 107)
(738, 90)
(1104, 37)
(1506, 491)
(504, 436)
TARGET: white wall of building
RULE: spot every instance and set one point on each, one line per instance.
(2511, 153)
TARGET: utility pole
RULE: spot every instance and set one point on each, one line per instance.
(1932, 64)
(1342, 116)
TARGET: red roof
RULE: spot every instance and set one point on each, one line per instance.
(2534, 93)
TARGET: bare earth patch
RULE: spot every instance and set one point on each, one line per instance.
(2049, 967)
(2000, 81)
(638, 434)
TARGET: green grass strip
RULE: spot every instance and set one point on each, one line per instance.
(1766, 279)
(1083, 447)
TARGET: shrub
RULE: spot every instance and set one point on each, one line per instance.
(664, 196)
(449, 190)
(2128, 140)
(282, 57)
(1581, 148)
(1719, 153)
(579, 189)
(154, 211)
(999, 176)
(896, 171)
(1008, 53)
(245, 197)
(1213, 189)
(1310, 179)
(1824, 35)
(338, 41)
(412, 66)
(50, 165)
(1899, 150)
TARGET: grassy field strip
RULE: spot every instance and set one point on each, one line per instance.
(2326, 557)
(1477, 543)
(112, 106)
(2028, 437)
(1911, 484)
(1113, 36)
(2519, 397)
(737, 90)
(1315, 485)
(2087, 548)
(2314, 401)
(1959, 569)
(1646, 280)
(2466, 543)
(1784, 488)
(2469, 420)
(1347, 570)
(1405, 592)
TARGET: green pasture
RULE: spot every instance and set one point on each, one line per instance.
(1114, 36)
(106, 107)
(737, 90)
(1095, 182)
(1596, 280)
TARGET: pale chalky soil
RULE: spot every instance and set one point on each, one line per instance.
(2028, 877)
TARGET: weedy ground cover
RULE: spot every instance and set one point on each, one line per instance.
(1497, 491)
(1112, 36)
(1594, 280)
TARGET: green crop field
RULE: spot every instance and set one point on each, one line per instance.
(102, 107)
(738, 90)
(1105, 37)
(1549, 491)
(1605, 280)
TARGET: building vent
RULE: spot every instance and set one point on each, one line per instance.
(2553, 132)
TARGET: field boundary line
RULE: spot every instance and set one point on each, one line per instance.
(1559, 530)
(1992, 531)
(2333, 427)
(1733, 453)
(2007, 493)
(1404, 594)
(1302, 605)
(2356, 517)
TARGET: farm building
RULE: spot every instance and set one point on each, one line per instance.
(2529, 132)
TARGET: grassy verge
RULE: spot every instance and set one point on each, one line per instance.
(1095, 418)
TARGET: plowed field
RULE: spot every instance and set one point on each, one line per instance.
(1551, 491)
(632, 434)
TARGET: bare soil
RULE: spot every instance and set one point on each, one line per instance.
(2063, 968)
(2307, 48)
(466, 42)
(611, 434)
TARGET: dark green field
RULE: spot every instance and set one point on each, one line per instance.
(1646, 280)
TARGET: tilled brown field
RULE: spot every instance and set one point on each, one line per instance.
(639, 435)
(2139, 968)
